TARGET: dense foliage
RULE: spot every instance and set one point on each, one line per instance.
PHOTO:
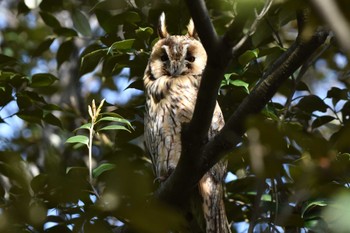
(290, 173)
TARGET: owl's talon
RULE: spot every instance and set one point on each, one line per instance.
(160, 179)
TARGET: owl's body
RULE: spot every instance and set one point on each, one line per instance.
(171, 81)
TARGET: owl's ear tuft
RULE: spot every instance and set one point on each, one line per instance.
(162, 32)
(191, 31)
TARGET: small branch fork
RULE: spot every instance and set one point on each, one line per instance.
(199, 155)
(253, 27)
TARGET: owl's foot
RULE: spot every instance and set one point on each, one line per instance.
(161, 179)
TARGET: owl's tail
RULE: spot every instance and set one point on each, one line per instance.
(215, 217)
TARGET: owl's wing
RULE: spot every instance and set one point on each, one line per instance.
(149, 143)
(211, 186)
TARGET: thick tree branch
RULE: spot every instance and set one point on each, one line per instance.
(194, 135)
(197, 158)
(204, 26)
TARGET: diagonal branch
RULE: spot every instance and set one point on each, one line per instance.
(289, 62)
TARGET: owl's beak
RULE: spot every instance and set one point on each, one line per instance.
(176, 68)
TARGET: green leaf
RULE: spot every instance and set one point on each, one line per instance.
(312, 103)
(49, 19)
(43, 46)
(115, 127)
(84, 126)
(6, 60)
(34, 115)
(81, 23)
(22, 8)
(6, 95)
(301, 86)
(90, 60)
(240, 83)
(78, 139)
(110, 5)
(124, 45)
(64, 52)
(345, 111)
(43, 80)
(39, 182)
(144, 33)
(52, 120)
(138, 84)
(310, 205)
(248, 56)
(51, 107)
(102, 168)
(125, 18)
(115, 119)
(66, 32)
(338, 94)
(319, 121)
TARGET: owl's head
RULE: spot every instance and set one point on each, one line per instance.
(177, 55)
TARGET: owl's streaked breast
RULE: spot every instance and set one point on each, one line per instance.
(169, 104)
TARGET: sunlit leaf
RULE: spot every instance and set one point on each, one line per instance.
(124, 45)
(310, 205)
(248, 56)
(102, 168)
(78, 139)
(84, 126)
(240, 83)
(114, 127)
(144, 33)
(115, 119)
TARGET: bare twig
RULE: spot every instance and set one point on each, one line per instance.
(254, 26)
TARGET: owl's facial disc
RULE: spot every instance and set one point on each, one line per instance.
(176, 59)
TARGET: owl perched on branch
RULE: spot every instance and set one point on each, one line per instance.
(171, 82)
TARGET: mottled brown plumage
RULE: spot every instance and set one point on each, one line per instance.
(171, 82)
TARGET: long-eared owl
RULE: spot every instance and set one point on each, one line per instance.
(171, 81)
